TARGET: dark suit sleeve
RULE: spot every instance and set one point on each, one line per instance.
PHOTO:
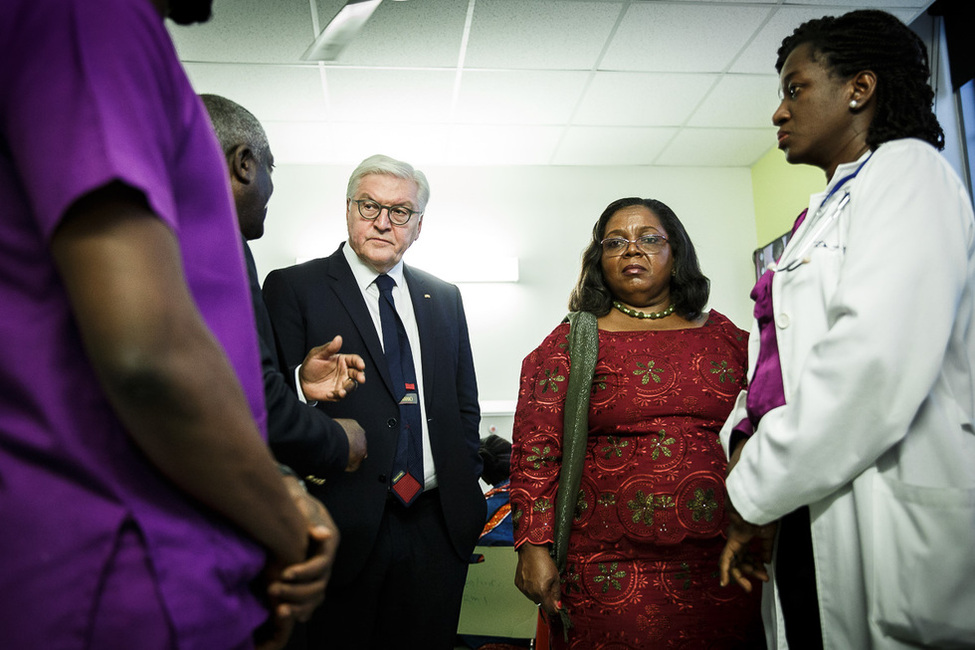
(470, 410)
(289, 326)
(300, 436)
(455, 419)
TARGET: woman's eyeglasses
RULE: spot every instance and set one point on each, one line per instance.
(649, 244)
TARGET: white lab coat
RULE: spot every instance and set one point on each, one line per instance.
(877, 343)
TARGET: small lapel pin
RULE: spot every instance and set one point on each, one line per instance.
(427, 296)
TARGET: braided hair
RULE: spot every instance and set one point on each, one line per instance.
(877, 41)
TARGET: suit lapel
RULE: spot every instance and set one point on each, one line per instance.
(344, 285)
(426, 324)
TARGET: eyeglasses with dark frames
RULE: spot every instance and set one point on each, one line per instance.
(649, 244)
(399, 215)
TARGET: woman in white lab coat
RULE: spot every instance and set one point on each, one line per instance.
(852, 453)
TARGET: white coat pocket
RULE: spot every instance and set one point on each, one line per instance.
(923, 569)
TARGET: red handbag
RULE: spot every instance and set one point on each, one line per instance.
(542, 632)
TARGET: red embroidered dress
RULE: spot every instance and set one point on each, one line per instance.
(643, 556)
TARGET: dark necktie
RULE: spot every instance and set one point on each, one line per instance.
(407, 481)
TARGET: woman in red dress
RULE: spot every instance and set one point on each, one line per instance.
(643, 549)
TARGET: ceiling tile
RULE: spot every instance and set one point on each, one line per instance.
(642, 98)
(248, 31)
(260, 88)
(722, 2)
(760, 55)
(608, 145)
(506, 145)
(350, 144)
(718, 147)
(539, 34)
(739, 101)
(846, 5)
(421, 33)
(374, 96)
(420, 144)
(585, 82)
(682, 38)
(519, 96)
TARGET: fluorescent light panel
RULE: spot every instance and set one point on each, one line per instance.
(341, 30)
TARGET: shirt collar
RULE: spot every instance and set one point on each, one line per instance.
(365, 275)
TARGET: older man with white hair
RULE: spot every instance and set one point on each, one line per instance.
(412, 513)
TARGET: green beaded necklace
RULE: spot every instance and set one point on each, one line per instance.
(653, 315)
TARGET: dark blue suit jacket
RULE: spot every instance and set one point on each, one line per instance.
(312, 302)
(300, 436)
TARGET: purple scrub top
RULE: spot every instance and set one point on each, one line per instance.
(93, 93)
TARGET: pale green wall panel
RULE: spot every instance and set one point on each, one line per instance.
(781, 192)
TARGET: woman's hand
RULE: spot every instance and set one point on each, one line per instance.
(538, 578)
(737, 559)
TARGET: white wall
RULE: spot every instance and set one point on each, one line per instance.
(543, 216)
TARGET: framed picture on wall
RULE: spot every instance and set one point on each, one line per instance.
(769, 253)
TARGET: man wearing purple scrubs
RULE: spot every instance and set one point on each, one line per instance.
(138, 501)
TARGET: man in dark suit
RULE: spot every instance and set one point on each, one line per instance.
(301, 437)
(400, 570)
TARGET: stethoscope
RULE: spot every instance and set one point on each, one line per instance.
(809, 241)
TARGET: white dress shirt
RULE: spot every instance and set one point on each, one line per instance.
(365, 278)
